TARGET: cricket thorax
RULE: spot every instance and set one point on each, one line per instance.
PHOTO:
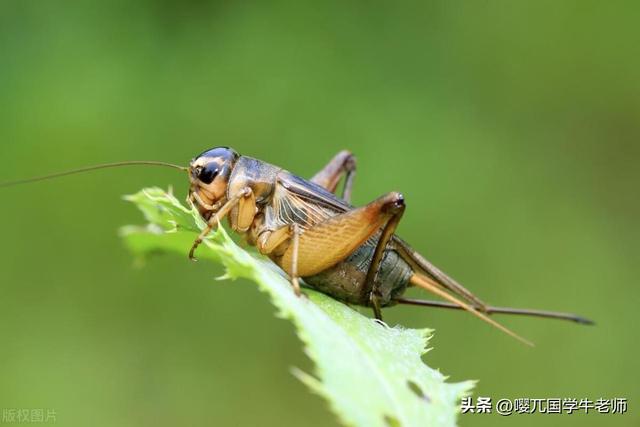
(261, 178)
(255, 174)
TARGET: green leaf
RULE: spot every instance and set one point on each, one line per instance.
(370, 374)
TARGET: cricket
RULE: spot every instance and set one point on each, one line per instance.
(349, 253)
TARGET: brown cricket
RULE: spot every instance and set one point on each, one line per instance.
(350, 253)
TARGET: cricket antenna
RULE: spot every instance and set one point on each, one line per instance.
(91, 168)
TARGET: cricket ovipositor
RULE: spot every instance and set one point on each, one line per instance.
(350, 253)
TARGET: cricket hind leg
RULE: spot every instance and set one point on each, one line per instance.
(423, 267)
(396, 207)
(343, 163)
(331, 241)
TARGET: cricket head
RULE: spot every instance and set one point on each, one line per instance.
(209, 176)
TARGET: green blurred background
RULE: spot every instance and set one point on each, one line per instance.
(511, 127)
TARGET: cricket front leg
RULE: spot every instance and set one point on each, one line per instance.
(343, 163)
(244, 197)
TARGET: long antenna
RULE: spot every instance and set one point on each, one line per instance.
(500, 310)
(91, 168)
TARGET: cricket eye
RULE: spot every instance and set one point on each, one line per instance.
(208, 173)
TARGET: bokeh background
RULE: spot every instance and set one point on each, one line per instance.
(512, 128)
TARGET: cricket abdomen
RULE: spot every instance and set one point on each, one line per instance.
(345, 281)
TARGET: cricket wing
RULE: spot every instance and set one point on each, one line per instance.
(297, 200)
